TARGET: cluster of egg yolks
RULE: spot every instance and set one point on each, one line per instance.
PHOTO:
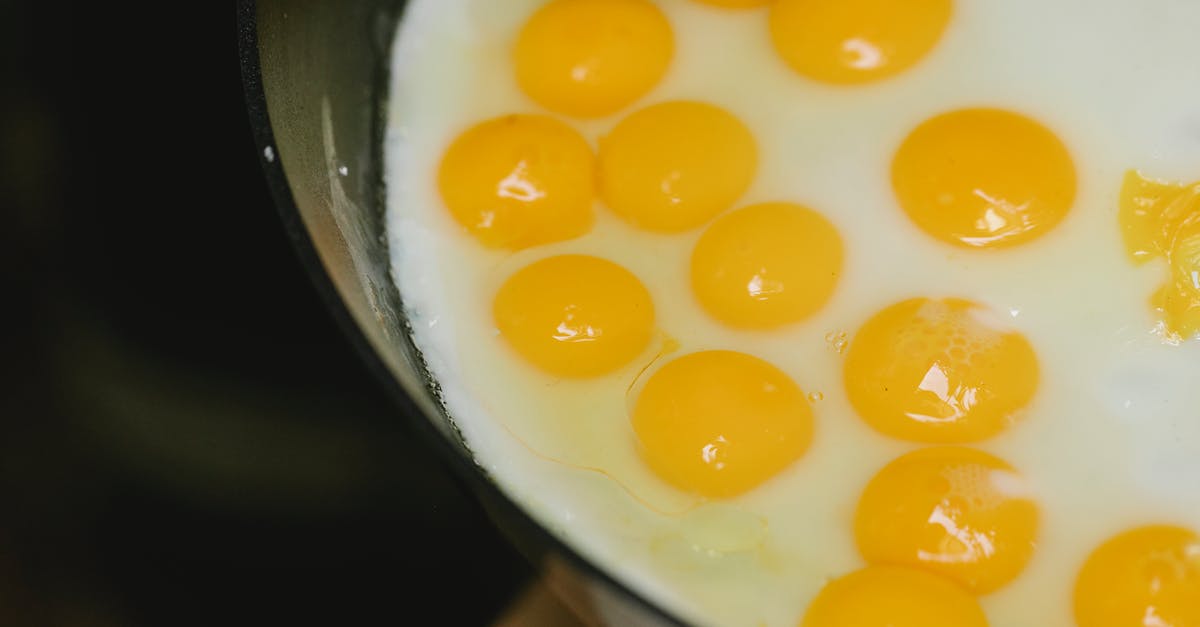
(1161, 219)
(940, 371)
(954, 511)
(673, 166)
(983, 178)
(766, 265)
(591, 58)
(519, 181)
(888, 596)
(575, 315)
(856, 41)
(1149, 577)
(718, 423)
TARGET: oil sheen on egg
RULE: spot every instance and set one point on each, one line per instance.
(1084, 455)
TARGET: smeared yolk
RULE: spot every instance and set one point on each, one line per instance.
(736, 4)
(719, 423)
(590, 58)
(1145, 577)
(856, 41)
(575, 315)
(983, 178)
(673, 166)
(953, 511)
(519, 181)
(766, 265)
(941, 371)
(886, 596)
(1163, 220)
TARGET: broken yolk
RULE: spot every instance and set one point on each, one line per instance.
(954, 511)
(889, 596)
(1161, 219)
(719, 423)
(1148, 577)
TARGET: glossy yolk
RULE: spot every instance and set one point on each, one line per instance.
(736, 4)
(590, 58)
(953, 511)
(575, 315)
(1145, 577)
(1163, 220)
(943, 371)
(766, 265)
(885, 596)
(519, 181)
(856, 41)
(983, 178)
(673, 166)
(719, 423)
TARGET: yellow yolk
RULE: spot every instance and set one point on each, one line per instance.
(953, 511)
(719, 423)
(766, 265)
(1163, 220)
(983, 178)
(856, 41)
(673, 166)
(519, 181)
(886, 596)
(736, 4)
(591, 58)
(575, 315)
(942, 371)
(1145, 577)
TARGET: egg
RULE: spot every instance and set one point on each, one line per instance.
(817, 312)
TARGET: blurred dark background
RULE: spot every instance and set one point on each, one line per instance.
(185, 436)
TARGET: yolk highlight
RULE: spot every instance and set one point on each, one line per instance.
(766, 265)
(736, 4)
(519, 181)
(887, 596)
(591, 58)
(856, 41)
(1148, 577)
(719, 423)
(984, 178)
(575, 315)
(673, 166)
(1163, 220)
(940, 371)
(953, 511)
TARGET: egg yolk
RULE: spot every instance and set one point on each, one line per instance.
(591, 58)
(886, 596)
(1161, 219)
(1145, 577)
(575, 315)
(719, 423)
(673, 166)
(856, 41)
(519, 181)
(766, 265)
(942, 371)
(957, 512)
(736, 4)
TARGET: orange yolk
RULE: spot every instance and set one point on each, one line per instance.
(736, 4)
(591, 58)
(983, 178)
(943, 371)
(957, 512)
(886, 596)
(519, 181)
(719, 423)
(766, 265)
(673, 166)
(856, 41)
(1163, 220)
(575, 315)
(1145, 577)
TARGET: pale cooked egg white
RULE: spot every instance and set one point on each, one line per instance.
(1110, 441)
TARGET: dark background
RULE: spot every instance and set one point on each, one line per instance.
(185, 436)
